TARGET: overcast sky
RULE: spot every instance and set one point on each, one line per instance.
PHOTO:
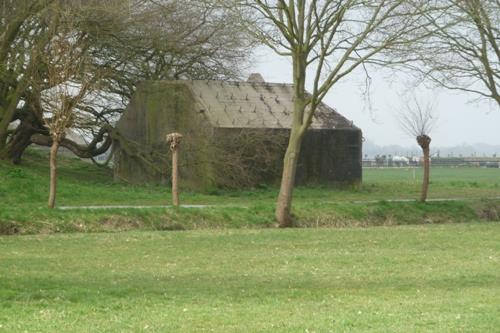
(460, 118)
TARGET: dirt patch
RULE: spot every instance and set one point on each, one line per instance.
(490, 211)
(9, 228)
(119, 223)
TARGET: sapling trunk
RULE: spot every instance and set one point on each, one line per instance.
(53, 173)
(424, 142)
(425, 183)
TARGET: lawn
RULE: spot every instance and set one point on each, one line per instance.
(24, 190)
(432, 278)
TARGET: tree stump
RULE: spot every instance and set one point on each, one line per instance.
(174, 139)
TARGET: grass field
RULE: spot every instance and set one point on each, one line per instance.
(24, 190)
(434, 278)
(413, 276)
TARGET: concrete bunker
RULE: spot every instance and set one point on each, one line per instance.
(235, 135)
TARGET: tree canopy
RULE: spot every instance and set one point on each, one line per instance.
(462, 51)
(329, 40)
(127, 41)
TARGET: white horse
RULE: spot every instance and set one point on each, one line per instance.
(418, 160)
(400, 161)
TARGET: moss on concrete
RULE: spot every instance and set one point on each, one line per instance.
(162, 108)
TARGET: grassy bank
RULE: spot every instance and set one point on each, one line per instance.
(24, 189)
(399, 279)
(19, 221)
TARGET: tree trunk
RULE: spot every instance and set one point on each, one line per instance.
(4, 154)
(284, 204)
(53, 173)
(283, 212)
(175, 177)
(16, 150)
(424, 142)
(425, 182)
(6, 117)
(21, 138)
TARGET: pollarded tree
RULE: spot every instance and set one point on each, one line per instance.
(65, 59)
(418, 121)
(328, 39)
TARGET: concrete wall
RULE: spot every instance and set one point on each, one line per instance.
(159, 108)
(331, 157)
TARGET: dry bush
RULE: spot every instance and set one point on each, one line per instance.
(248, 157)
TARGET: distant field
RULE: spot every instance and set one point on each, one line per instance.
(439, 175)
(24, 189)
(399, 279)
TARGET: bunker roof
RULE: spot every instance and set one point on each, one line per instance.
(256, 104)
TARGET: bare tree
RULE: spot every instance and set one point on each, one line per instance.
(129, 41)
(65, 59)
(463, 48)
(21, 32)
(418, 121)
(328, 40)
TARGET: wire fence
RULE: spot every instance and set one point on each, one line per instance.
(406, 162)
